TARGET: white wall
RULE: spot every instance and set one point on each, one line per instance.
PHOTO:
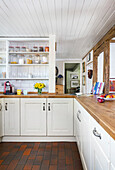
(112, 60)
(100, 67)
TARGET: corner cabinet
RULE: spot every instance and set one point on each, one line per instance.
(12, 117)
(33, 117)
(60, 117)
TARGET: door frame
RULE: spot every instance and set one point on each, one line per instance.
(74, 61)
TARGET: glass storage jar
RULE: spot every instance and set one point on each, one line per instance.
(47, 49)
(35, 49)
(14, 59)
(23, 49)
(11, 48)
(17, 48)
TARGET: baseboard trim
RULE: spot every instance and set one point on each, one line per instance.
(37, 139)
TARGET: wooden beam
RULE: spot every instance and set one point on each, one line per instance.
(106, 66)
(112, 41)
(108, 36)
(99, 50)
(95, 63)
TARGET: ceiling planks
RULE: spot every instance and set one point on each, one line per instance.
(77, 24)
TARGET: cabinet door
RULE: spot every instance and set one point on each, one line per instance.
(86, 145)
(77, 123)
(1, 130)
(112, 151)
(33, 117)
(99, 161)
(12, 117)
(60, 117)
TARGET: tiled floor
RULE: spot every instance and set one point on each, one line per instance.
(40, 156)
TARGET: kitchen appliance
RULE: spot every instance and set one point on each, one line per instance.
(7, 88)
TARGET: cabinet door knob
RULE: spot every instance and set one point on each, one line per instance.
(96, 133)
(43, 106)
(0, 106)
(6, 107)
(48, 106)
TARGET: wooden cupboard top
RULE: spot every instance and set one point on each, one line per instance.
(103, 113)
(38, 96)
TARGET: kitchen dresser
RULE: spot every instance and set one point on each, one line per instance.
(28, 59)
(64, 118)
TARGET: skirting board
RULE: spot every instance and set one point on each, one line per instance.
(37, 139)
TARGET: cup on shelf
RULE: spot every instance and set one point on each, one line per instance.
(25, 92)
(19, 91)
(30, 75)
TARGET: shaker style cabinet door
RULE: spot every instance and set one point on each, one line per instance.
(86, 135)
(33, 117)
(12, 117)
(60, 117)
(78, 123)
(99, 161)
(1, 123)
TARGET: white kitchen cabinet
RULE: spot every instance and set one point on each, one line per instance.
(1, 118)
(86, 136)
(100, 147)
(94, 152)
(99, 161)
(77, 124)
(112, 151)
(60, 117)
(33, 117)
(12, 116)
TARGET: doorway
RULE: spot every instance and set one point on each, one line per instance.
(72, 78)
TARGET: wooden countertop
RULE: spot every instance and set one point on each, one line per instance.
(103, 113)
(38, 96)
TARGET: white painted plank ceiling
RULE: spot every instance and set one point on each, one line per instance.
(77, 24)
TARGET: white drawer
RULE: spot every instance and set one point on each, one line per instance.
(104, 140)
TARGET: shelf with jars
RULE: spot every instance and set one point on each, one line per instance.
(28, 59)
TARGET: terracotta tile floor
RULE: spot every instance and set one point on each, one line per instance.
(40, 156)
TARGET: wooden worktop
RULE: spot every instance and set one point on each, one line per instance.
(103, 113)
(38, 96)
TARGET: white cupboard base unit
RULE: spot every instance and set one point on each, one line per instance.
(37, 139)
(33, 117)
(60, 117)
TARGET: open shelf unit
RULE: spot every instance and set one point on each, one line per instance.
(31, 64)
